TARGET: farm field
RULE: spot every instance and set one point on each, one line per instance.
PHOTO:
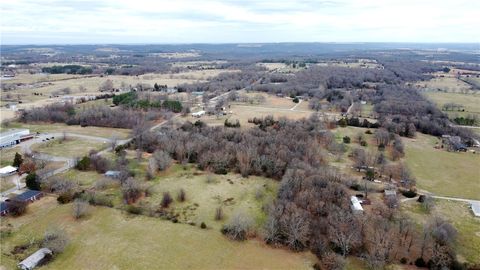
(459, 214)
(69, 148)
(111, 239)
(447, 83)
(470, 101)
(441, 172)
(103, 132)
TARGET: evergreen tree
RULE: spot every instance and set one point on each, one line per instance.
(17, 161)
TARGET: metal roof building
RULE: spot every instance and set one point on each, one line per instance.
(475, 208)
(36, 258)
(29, 195)
(12, 137)
(356, 206)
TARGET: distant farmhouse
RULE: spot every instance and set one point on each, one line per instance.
(13, 137)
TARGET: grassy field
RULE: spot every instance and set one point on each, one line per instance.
(447, 83)
(69, 148)
(441, 172)
(7, 155)
(103, 132)
(231, 192)
(470, 101)
(459, 214)
(110, 239)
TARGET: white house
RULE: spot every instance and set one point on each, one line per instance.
(36, 258)
(198, 114)
(12, 137)
(356, 206)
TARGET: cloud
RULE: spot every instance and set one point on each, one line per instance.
(216, 21)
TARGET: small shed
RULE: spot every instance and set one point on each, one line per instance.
(356, 206)
(475, 208)
(112, 174)
(7, 170)
(29, 196)
(35, 259)
(390, 193)
(3, 208)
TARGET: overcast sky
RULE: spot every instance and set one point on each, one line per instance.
(222, 21)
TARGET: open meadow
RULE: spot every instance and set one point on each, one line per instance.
(471, 102)
(71, 147)
(443, 173)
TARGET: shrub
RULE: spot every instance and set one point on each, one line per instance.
(409, 193)
(56, 240)
(162, 159)
(203, 225)
(166, 200)
(296, 100)
(238, 226)
(181, 195)
(363, 143)
(219, 213)
(65, 197)
(403, 260)
(17, 208)
(17, 160)
(346, 139)
(420, 262)
(83, 164)
(79, 208)
(368, 131)
(135, 210)
(32, 181)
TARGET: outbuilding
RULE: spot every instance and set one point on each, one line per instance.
(3, 208)
(475, 208)
(112, 174)
(29, 196)
(7, 170)
(14, 136)
(35, 259)
(198, 114)
(355, 205)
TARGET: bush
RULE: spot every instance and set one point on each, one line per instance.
(17, 208)
(368, 131)
(403, 260)
(238, 226)
(409, 193)
(181, 195)
(363, 143)
(420, 262)
(346, 139)
(135, 210)
(166, 200)
(203, 225)
(162, 159)
(296, 100)
(83, 164)
(79, 208)
(32, 181)
(56, 240)
(65, 197)
(219, 213)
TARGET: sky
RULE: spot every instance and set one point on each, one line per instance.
(237, 21)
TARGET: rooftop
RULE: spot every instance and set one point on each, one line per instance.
(27, 195)
(476, 208)
(33, 260)
(12, 131)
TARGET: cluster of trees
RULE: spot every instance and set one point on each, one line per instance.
(133, 100)
(403, 110)
(312, 208)
(101, 116)
(69, 69)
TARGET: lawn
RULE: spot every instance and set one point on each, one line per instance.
(459, 214)
(104, 132)
(7, 155)
(111, 239)
(84, 179)
(441, 172)
(68, 148)
(448, 84)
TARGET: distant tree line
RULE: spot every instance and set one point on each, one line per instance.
(68, 69)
